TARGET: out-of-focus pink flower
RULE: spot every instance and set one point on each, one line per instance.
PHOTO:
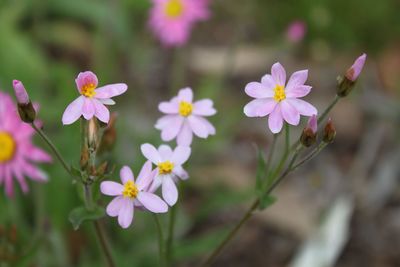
(172, 20)
(20, 92)
(278, 100)
(296, 31)
(169, 168)
(354, 71)
(131, 194)
(92, 101)
(18, 155)
(185, 117)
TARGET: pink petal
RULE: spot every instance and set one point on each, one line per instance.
(8, 181)
(268, 82)
(101, 112)
(258, 90)
(180, 172)
(146, 176)
(204, 108)
(209, 126)
(169, 132)
(85, 78)
(152, 202)
(278, 73)
(313, 123)
(185, 136)
(259, 107)
(355, 70)
(165, 152)
(114, 206)
(298, 78)
(106, 101)
(165, 121)
(126, 174)
(21, 180)
(186, 94)
(169, 191)
(169, 107)
(150, 153)
(36, 154)
(275, 120)
(181, 155)
(73, 111)
(110, 188)
(125, 215)
(88, 109)
(198, 128)
(302, 106)
(111, 90)
(289, 113)
(298, 91)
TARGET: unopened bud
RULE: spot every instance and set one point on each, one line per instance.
(26, 110)
(329, 132)
(84, 158)
(309, 135)
(93, 133)
(101, 170)
(346, 83)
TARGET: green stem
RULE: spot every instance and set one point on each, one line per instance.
(316, 151)
(52, 147)
(161, 247)
(328, 109)
(271, 153)
(104, 244)
(170, 237)
(285, 155)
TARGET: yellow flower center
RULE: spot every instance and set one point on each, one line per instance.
(130, 190)
(185, 108)
(279, 91)
(174, 8)
(165, 167)
(7, 147)
(88, 90)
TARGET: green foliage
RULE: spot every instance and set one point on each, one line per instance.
(82, 214)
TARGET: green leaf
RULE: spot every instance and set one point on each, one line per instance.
(261, 165)
(78, 215)
(76, 172)
(266, 201)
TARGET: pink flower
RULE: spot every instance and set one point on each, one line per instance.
(20, 92)
(354, 71)
(172, 20)
(169, 168)
(17, 153)
(131, 194)
(185, 118)
(312, 124)
(91, 102)
(296, 31)
(278, 101)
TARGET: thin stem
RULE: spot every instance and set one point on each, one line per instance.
(52, 147)
(328, 109)
(170, 237)
(287, 138)
(104, 244)
(271, 153)
(321, 146)
(161, 248)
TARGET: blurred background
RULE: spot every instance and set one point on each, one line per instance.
(341, 209)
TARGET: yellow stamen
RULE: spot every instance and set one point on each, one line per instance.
(88, 90)
(130, 190)
(185, 108)
(279, 91)
(165, 167)
(174, 8)
(7, 147)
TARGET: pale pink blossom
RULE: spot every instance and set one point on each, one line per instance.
(169, 168)
(92, 101)
(296, 31)
(184, 118)
(279, 100)
(354, 71)
(172, 20)
(20, 92)
(131, 194)
(18, 155)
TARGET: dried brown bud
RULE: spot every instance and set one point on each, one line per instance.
(329, 132)
(84, 158)
(27, 112)
(109, 135)
(93, 133)
(102, 168)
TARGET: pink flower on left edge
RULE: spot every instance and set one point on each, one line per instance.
(172, 20)
(279, 100)
(18, 155)
(92, 101)
(184, 118)
(131, 194)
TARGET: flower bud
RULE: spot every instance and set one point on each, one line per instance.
(26, 110)
(329, 132)
(93, 133)
(309, 135)
(346, 83)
